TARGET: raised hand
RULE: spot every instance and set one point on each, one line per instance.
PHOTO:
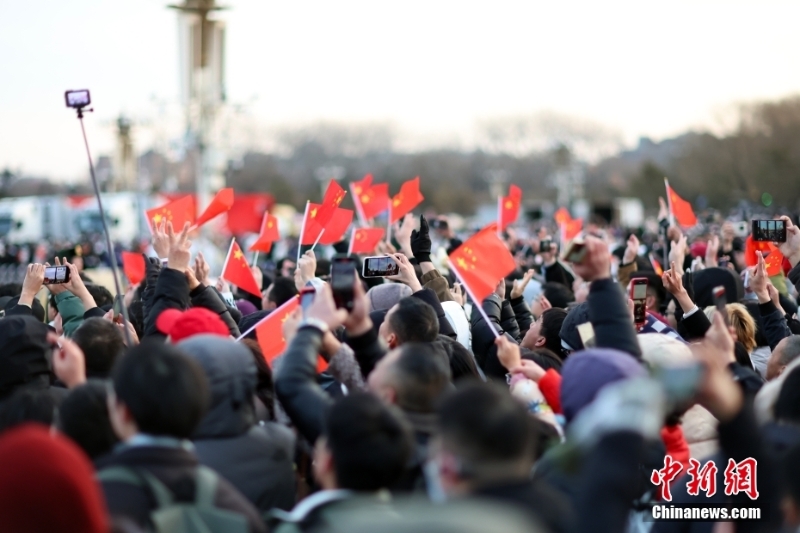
(160, 239)
(402, 233)
(596, 263)
(677, 253)
(508, 352)
(518, 287)
(34, 279)
(201, 269)
(69, 363)
(407, 273)
(530, 369)
(718, 392)
(673, 281)
(323, 308)
(421, 241)
(179, 253)
(791, 248)
(631, 250)
(458, 294)
(712, 251)
(306, 268)
(760, 280)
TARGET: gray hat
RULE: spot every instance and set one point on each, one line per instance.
(384, 297)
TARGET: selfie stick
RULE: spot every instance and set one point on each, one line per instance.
(110, 246)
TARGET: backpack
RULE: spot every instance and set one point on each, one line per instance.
(169, 516)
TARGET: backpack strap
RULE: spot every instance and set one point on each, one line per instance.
(139, 478)
(206, 482)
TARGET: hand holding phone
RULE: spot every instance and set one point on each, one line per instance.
(307, 298)
(769, 230)
(56, 275)
(343, 279)
(639, 296)
(380, 267)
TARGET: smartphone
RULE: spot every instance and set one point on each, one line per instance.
(343, 279)
(724, 261)
(307, 298)
(118, 303)
(576, 251)
(545, 245)
(380, 267)
(78, 99)
(769, 230)
(680, 382)
(586, 333)
(55, 275)
(720, 301)
(639, 297)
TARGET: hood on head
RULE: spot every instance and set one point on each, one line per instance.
(569, 328)
(24, 353)
(585, 373)
(231, 374)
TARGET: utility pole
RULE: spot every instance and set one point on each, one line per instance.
(202, 50)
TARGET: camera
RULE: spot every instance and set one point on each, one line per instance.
(78, 99)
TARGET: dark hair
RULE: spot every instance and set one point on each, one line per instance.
(136, 317)
(420, 376)
(282, 290)
(102, 344)
(102, 296)
(370, 442)
(742, 357)
(544, 358)
(10, 289)
(28, 405)
(165, 391)
(558, 294)
(462, 364)
(83, 417)
(787, 405)
(265, 387)
(552, 320)
(413, 320)
(484, 426)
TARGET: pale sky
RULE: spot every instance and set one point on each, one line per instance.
(432, 67)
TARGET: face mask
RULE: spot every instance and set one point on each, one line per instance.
(433, 481)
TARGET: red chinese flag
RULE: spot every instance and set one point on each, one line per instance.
(322, 214)
(221, 203)
(133, 265)
(752, 246)
(269, 234)
(269, 333)
(571, 229)
(509, 207)
(562, 215)
(774, 263)
(656, 265)
(681, 209)
(374, 200)
(237, 271)
(335, 230)
(179, 212)
(359, 187)
(481, 262)
(247, 213)
(407, 199)
(365, 240)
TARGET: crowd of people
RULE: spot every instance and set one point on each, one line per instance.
(544, 407)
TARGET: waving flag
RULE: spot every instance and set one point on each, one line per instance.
(365, 240)
(133, 266)
(374, 200)
(269, 234)
(334, 231)
(179, 212)
(407, 199)
(509, 207)
(481, 262)
(237, 271)
(680, 208)
(570, 229)
(562, 215)
(322, 214)
(221, 203)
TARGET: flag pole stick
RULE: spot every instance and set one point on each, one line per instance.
(500, 216)
(317, 241)
(671, 220)
(302, 231)
(350, 245)
(227, 257)
(389, 225)
(255, 258)
(359, 208)
(475, 301)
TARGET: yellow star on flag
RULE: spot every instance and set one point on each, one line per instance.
(365, 199)
(238, 254)
(158, 218)
(397, 201)
(509, 205)
(314, 213)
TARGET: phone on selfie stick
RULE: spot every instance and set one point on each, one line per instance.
(639, 297)
(343, 279)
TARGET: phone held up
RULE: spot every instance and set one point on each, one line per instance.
(769, 230)
(55, 275)
(380, 267)
(576, 251)
(720, 301)
(343, 279)
(639, 297)
(307, 298)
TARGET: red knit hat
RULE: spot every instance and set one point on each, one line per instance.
(47, 484)
(180, 325)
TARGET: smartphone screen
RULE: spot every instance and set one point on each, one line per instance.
(769, 230)
(54, 275)
(586, 333)
(343, 279)
(380, 267)
(639, 296)
(720, 301)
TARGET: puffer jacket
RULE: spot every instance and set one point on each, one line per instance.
(256, 459)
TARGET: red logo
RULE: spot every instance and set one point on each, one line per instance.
(739, 477)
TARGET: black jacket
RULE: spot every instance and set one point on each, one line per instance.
(483, 334)
(171, 292)
(536, 498)
(175, 468)
(609, 315)
(209, 298)
(256, 459)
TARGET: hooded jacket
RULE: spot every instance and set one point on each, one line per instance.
(256, 459)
